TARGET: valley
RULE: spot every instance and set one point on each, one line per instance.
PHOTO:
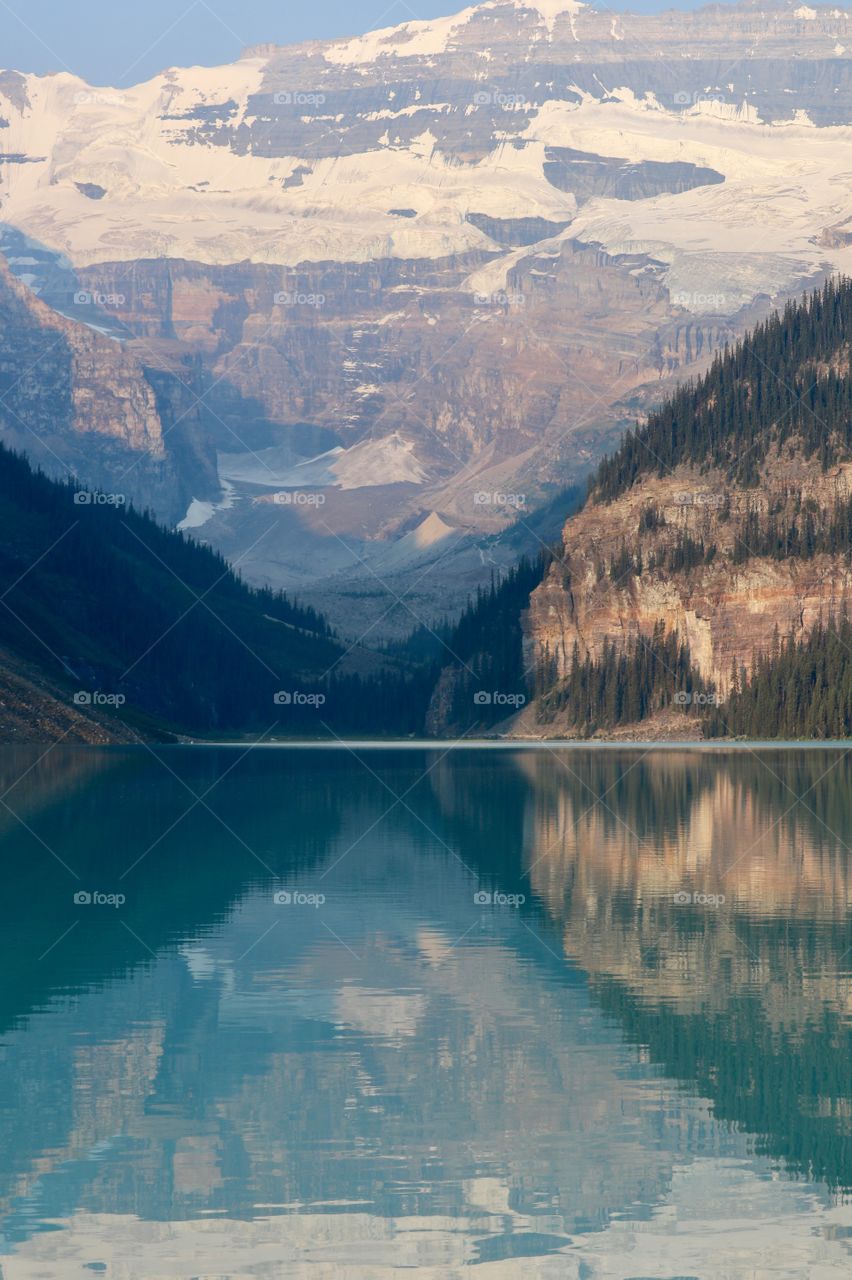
(393, 274)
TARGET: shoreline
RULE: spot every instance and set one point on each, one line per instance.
(490, 744)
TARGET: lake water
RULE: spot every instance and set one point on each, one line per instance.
(554, 1013)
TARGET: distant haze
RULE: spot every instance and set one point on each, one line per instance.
(120, 44)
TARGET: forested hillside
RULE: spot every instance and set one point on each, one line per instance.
(479, 677)
(787, 381)
(741, 483)
(714, 553)
(800, 689)
(127, 617)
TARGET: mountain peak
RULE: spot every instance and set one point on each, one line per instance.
(425, 37)
(548, 10)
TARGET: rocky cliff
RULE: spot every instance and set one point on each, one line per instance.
(84, 406)
(503, 377)
(618, 574)
(725, 518)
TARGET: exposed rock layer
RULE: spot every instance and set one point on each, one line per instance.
(84, 406)
(726, 611)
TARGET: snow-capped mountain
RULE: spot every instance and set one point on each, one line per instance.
(430, 272)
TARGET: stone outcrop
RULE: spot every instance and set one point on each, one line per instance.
(83, 405)
(727, 610)
(35, 708)
(522, 375)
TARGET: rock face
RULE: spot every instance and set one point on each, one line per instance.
(490, 236)
(284, 348)
(727, 610)
(83, 406)
(34, 709)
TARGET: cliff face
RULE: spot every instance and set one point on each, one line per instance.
(500, 377)
(82, 404)
(728, 609)
(35, 709)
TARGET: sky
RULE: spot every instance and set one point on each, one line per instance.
(120, 42)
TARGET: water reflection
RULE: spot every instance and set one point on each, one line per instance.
(604, 1081)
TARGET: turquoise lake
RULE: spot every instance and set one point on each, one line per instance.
(355, 1013)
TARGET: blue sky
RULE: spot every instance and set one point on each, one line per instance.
(118, 42)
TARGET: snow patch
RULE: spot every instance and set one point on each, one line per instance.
(550, 10)
(389, 460)
(418, 39)
(200, 512)
(425, 38)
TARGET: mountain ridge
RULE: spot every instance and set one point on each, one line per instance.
(499, 260)
(725, 520)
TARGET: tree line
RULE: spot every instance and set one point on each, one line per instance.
(103, 599)
(789, 379)
(802, 688)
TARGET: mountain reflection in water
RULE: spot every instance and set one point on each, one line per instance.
(641, 1069)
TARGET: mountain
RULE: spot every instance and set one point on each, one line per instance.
(402, 288)
(80, 404)
(113, 628)
(725, 521)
